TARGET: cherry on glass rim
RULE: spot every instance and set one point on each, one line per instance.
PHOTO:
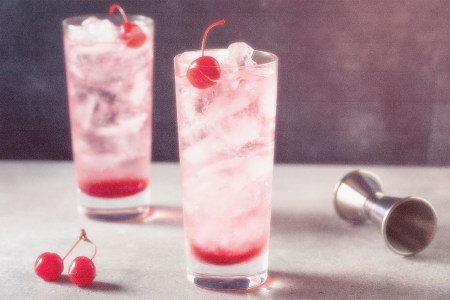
(130, 33)
(205, 70)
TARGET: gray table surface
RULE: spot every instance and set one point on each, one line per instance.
(313, 254)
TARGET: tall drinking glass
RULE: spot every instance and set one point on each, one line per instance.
(110, 102)
(226, 144)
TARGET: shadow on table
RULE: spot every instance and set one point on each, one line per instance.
(164, 215)
(95, 286)
(284, 285)
(106, 287)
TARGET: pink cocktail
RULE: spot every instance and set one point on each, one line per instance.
(226, 143)
(110, 101)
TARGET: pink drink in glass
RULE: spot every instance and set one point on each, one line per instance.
(226, 142)
(110, 102)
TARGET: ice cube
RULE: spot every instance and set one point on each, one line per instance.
(223, 107)
(241, 53)
(239, 131)
(229, 73)
(267, 100)
(104, 112)
(221, 167)
(201, 152)
(84, 110)
(139, 88)
(99, 30)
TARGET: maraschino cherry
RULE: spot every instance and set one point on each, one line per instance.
(205, 70)
(82, 271)
(49, 266)
(130, 33)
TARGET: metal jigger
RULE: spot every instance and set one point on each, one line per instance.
(407, 224)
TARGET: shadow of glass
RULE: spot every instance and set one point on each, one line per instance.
(285, 285)
(164, 215)
(294, 286)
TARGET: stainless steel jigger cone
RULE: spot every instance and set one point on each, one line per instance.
(407, 224)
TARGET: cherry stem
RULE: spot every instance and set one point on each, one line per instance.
(221, 22)
(82, 237)
(115, 6)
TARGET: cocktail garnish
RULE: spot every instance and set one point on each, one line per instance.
(49, 265)
(205, 70)
(130, 33)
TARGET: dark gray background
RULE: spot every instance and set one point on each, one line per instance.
(360, 81)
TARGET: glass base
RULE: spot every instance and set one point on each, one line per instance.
(240, 276)
(227, 283)
(132, 208)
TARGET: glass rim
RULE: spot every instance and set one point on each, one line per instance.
(273, 59)
(78, 19)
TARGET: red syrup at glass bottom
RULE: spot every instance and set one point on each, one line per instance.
(225, 256)
(113, 188)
